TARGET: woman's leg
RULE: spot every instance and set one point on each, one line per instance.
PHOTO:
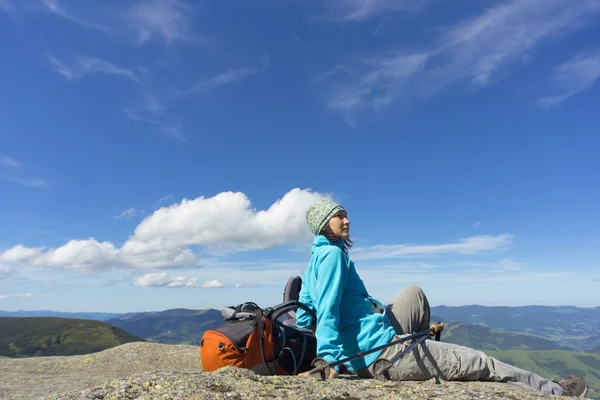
(452, 362)
(409, 311)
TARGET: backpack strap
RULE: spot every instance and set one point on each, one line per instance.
(261, 337)
(276, 311)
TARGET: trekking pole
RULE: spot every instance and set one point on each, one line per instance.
(382, 366)
(321, 367)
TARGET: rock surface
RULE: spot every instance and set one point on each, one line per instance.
(157, 371)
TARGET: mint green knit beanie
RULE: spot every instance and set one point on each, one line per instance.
(319, 214)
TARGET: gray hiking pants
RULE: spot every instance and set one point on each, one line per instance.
(409, 313)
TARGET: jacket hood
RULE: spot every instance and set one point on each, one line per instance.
(321, 240)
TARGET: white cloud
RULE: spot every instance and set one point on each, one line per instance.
(470, 245)
(574, 76)
(77, 254)
(228, 219)
(163, 279)
(225, 222)
(471, 52)
(89, 65)
(230, 76)
(153, 112)
(360, 10)
(25, 295)
(214, 284)
(130, 213)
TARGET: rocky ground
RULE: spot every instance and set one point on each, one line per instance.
(157, 371)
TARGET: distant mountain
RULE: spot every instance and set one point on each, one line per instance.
(570, 326)
(556, 363)
(483, 338)
(49, 313)
(176, 326)
(53, 336)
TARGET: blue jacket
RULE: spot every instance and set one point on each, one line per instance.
(348, 319)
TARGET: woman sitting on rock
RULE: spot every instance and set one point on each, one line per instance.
(349, 320)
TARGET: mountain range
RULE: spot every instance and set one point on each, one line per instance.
(493, 328)
(572, 327)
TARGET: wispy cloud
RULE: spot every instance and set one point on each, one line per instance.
(163, 279)
(361, 10)
(169, 20)
(153, 112)
(476, 225)
(163, 200)
(25, 295)
(470, 245)
(574, 76)
(506, 264)
(470, 53)
(230, 76)
(296, 37)
(246, 285)
(466, 277)
(166, 19)
(56, 7)
(10, 163)
(337, 69)
(130, 213)
(89, 65)
(14, 171)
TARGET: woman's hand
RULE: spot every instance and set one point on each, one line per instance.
(332, 374)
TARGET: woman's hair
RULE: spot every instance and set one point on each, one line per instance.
(328, 233)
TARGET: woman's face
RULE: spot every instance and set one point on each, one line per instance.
(340, 225)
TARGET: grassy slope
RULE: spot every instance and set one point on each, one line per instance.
(53, 336)
(551, 363)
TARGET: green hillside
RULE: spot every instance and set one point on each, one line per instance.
(552, 363)
(175, 326)
(483, 338)
(53, 336)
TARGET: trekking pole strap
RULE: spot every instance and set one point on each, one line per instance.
(433, 329)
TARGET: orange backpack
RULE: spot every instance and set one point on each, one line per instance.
(265, 341)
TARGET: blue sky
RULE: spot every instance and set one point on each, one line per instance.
(161, 154)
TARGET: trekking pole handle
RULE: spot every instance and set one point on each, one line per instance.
(436, 328)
